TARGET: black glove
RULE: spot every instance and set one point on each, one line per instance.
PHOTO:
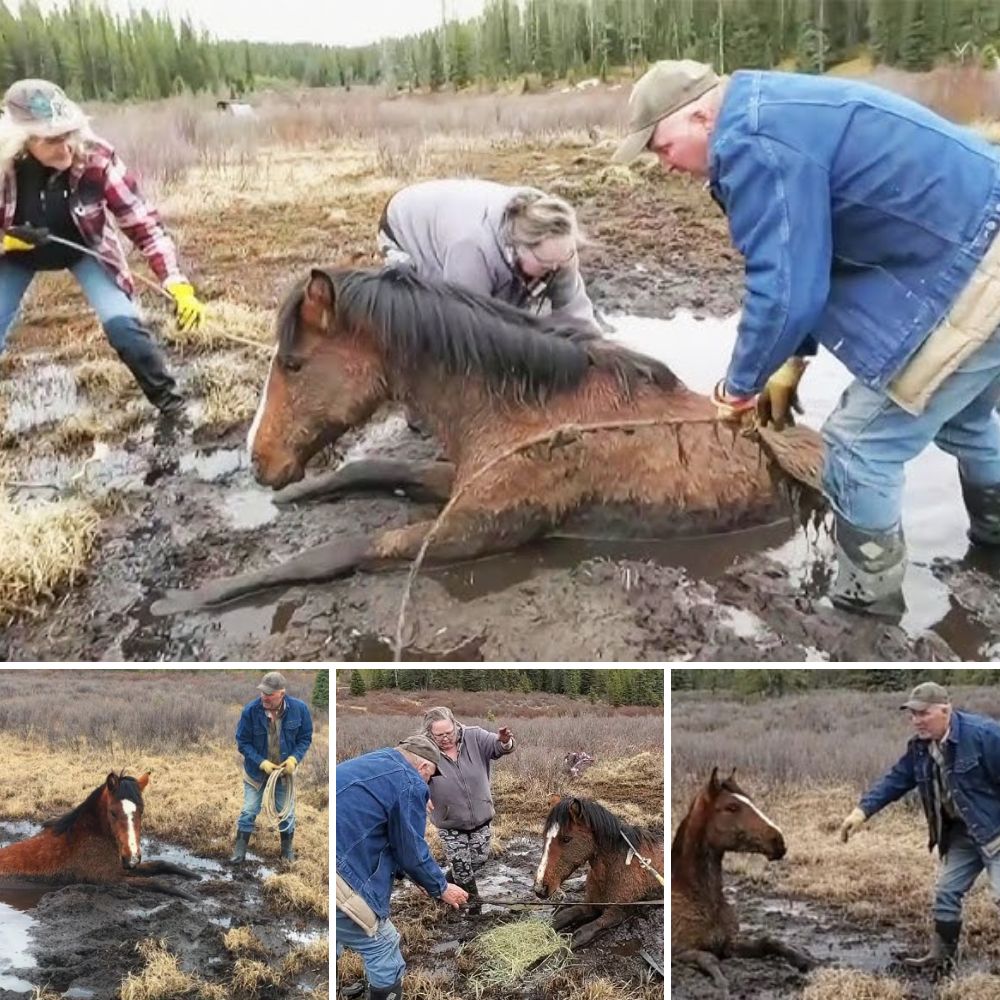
(36, 236)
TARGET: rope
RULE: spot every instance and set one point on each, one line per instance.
(645, 862)
(535, 902)
(268, 807)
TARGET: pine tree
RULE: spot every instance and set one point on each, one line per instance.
(357, 683)
(321, 690)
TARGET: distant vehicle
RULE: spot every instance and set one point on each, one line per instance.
(238, 109)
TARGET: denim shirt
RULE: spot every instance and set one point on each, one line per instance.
(973, 775)
(251, 735)
(861, 216)
(381, 818)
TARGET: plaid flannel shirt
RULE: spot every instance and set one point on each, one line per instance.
(100, 185)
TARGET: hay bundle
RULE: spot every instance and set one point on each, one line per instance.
(507, 954)
(833, 984)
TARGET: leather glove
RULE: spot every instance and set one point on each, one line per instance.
(780, 395)
(731, 408)
(24, 238)
(852, 824)
(290, 764)
(268, 766)
(190, 312)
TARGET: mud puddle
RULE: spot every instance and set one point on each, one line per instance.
(41, 395)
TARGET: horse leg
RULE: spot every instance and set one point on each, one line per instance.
(708, 964)
(420, 481)
(611, 917)
(568, 915)
(162, 868)
(155, 885)
(760, 947)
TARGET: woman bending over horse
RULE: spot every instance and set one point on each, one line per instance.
(57, 178)
(515, 244)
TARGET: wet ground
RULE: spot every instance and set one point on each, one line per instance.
(79, 940)
(186, 515)
(815, 929)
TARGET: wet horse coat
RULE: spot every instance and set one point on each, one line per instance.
(98, 841)
(482, 376)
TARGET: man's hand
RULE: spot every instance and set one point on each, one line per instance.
(290, 764)
(852, 824)
(454, 896)
(780, 396)
(268, 766)
(505, 735)
(731, 409)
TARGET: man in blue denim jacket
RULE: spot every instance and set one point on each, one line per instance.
(867, 223)
(273, 734)
(953, 761)
(381, 817)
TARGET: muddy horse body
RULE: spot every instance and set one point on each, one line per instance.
(486, 379)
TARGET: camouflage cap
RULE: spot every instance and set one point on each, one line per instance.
(271, 682)
(424, 747)
(926, 694)
(666, 87)
(42, 108)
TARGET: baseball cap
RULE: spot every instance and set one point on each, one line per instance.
(271, 682)
(927, 694)
(424, 747)
(666, 87)
(42, 108)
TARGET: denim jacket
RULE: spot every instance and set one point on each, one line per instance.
(973, 771)
(381, 818)
(861, 216)
(251, 735)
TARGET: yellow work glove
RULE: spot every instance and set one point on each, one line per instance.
(852, 824)
(19, 238)
(290, 764)
(780, 395)
(190, 312)
(732, 409)
(267, 766)
(13, 243)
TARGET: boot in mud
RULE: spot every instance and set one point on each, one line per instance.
(240, 848)
(870, 569)
(287, 853)
(474, 907)
(983, 505)
(940, 960)
(355, 991)
(394, 992)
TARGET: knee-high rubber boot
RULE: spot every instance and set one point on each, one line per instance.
(394, 992)
(983, 505)
(144, 359)
(240, 848)
(287, 851)
(940, 960)
(870, 570)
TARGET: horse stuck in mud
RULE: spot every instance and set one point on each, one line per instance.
(578, 831)
(543, 429)
(703, 926)
(99, 842)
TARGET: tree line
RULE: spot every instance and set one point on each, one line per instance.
(617, 687)
(769, 682)
(95, 54)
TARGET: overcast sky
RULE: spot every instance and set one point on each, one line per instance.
(327, 22)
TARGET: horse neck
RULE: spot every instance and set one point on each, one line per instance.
(699, 866)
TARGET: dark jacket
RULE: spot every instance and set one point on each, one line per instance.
(251, 735)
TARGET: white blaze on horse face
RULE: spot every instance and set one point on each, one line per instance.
(549, 837)
(259, 415)
(769, 822)
(129, 808)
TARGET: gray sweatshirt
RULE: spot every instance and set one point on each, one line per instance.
(461, 792)
(454, 230)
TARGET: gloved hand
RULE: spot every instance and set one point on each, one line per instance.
(268, 766)
(190, 312)
(852, 824)
(290, 764)
(24, 238)
(731, 408)
(780, 395)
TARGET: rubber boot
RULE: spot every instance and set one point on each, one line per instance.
(983, 505)
(394, 992)
(287, 854)
(940, 960)
(240, 848)
(355, 991)
(870, 569)
(474, 907)
(144, 359)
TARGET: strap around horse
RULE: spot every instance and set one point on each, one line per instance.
(645, 862)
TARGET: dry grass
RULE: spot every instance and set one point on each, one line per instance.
(312, 956)
(106, 379)
(503, 955)
(46, 547)
(243, 943)
(978, 986)
(251, 977)
(161, 978)
(838, 984)
(231, 391)
(298, 893)
(427, 986)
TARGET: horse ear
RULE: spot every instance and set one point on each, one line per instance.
(142, 781)
(575, 809)
(732, 775)
(320, 290)
(713, 781)
(554, 799)
(112, 782)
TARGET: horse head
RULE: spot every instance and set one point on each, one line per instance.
(326, 376)
(732, 821)
(121, 808)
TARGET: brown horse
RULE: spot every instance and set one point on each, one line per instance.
(483, 377)
(98, 841)
(581, 830)
(703, 926)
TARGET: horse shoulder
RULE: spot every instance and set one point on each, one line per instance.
(700, 924)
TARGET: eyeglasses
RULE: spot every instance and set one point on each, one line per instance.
(442, 736)
(548, 265)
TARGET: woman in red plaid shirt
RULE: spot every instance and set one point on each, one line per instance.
(56, 175)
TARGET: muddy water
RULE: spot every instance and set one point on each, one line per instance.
(41, 395)
(934, 519)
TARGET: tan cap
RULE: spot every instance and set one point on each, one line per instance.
(423, 746)
(666, 87)
(927, 694)
(42, 108)
(271, 682)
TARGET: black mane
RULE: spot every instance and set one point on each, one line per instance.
(516, 354)
(128, 788)
(606, 827)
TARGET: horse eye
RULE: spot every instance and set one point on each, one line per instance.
(291, 364)
(733, 807)
(565, 840)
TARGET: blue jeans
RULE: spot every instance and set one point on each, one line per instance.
(384, 965)
(252, 799)
(962, 865)
(869, 439)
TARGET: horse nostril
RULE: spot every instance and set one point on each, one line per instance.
(540, 891)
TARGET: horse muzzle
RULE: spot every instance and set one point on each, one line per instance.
(277, 476)
(131, 861)
(540, 891)
(777, 850)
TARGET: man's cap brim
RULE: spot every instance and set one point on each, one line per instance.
(633, 144)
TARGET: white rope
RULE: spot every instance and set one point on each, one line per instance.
(269, 804)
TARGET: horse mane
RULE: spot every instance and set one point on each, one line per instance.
(606, 827)
(676, 848)
(416, 320)
(128, 788)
